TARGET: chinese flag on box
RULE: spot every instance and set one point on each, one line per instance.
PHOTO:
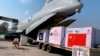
(76, 39)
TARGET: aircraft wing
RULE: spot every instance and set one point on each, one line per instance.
(37, 23)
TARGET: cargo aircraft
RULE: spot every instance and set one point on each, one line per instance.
(52, 13)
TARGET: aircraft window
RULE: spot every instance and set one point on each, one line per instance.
(49, 1)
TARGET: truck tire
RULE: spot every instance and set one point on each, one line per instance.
(49, 48)
(40, 45)
(44, 47)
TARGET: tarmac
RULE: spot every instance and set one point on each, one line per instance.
(7, 49)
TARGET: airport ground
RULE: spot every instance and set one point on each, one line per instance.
(7, 49)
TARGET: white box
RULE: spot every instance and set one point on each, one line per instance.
(23, 40)
(84, 51)
(86, 36)
(43, 35)
(56, 35)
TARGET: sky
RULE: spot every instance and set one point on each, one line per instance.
(89, 16)
(22, 9)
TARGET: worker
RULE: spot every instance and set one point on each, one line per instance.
(16, 42)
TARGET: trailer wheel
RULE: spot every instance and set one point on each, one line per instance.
(49, 48)
(40, 45)
(44, 47)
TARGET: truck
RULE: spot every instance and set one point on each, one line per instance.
(65, 38)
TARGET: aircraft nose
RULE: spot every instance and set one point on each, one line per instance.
(79, 8)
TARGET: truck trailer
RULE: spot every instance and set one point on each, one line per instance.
(65, 38)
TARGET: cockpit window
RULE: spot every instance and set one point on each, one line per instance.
(49, 1)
